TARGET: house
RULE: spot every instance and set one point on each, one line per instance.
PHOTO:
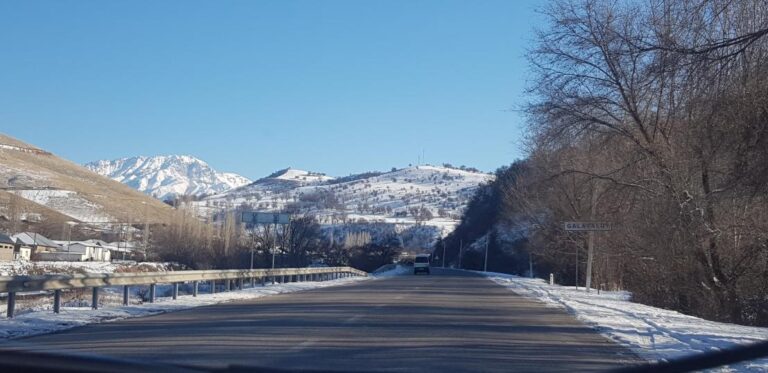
(7, 246)
(62, 256)
(82, 251)
(37, 243)
(22, 251)
(122, 250)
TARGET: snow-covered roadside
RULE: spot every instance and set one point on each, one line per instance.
(398, 270)
(45, 321)
(20, 268)
(653, 333)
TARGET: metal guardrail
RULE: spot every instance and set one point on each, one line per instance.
(232, 278)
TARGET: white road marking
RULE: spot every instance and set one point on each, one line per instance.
(352, 319)
(303, 345)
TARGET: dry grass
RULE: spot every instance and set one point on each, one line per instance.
(33, 171)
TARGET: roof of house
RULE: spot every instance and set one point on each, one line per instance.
(6, 239)
(28, 238)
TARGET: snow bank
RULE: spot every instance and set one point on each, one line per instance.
(653, 333)
(397, 270)
(45, 321)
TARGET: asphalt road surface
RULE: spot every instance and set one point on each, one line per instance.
(449, 321)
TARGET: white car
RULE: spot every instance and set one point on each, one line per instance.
(421, 264)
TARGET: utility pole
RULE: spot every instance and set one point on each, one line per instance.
(577, 267)
(69, 235)
(274, 248)
(591, 244)
(443, 253)
(253, 243)
(145, 236)
(487, 243)
(530, 265)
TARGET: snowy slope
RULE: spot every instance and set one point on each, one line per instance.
(653, 333)
(55, 191)
(168, 176)
(390, 194)
(375, 197)
(68, 203)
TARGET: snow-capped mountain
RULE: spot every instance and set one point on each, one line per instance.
(167, 176)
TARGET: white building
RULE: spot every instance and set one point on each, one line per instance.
(80, 251)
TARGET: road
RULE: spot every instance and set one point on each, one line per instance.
(450, 321)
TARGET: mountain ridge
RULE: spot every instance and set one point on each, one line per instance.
(168, 176)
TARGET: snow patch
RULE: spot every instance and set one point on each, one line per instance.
(653, 333)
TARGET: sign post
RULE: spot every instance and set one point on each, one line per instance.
(266, 218)
(591, 227)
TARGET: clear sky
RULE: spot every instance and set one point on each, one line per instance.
(254, 86)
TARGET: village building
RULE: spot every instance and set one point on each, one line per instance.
(33, 244)
(7, 246)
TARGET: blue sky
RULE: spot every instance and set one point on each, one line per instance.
(254, 86)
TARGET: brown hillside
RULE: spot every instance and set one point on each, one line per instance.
(24, 167)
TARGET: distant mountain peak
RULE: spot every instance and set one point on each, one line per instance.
(168, 176)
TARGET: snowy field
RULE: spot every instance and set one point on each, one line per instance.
(653, 333)
(43, 320)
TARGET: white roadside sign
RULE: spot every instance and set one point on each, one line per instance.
(586, 226)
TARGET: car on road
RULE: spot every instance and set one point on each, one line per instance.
(421, 264)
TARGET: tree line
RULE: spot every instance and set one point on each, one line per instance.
(227, 243)
(652, 115)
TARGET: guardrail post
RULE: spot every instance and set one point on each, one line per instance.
(240, 283)
(125, 295)
(194, 288)
(253, 282)
(213, 286)
(263, 280)
(56, 301)
(11, 304)
(152, 288)
(228, 285)
(175, 290)
(95, 299)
